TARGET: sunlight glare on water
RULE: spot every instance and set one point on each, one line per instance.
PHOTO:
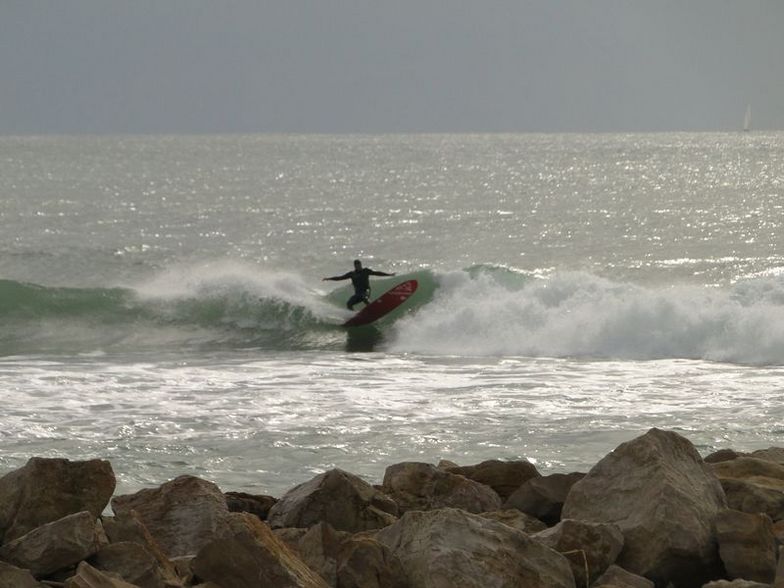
(263, 425)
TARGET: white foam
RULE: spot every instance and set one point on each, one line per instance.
(581, 315)
(231, 277)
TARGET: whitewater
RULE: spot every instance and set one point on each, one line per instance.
(161, 302)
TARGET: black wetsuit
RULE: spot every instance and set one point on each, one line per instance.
(360, 279)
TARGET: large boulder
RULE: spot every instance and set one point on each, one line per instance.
(422, 486)
(774, 454)
(515, 519)
(135, 564)
(45, 490)
(761, 472)
(13, 577)
(665, 500)
(130, 529)
(365, 563)
(88, 577)
(617, 577)
(543, 497)
(182, 515)
(55, 546)
(753, 498)
(590, 547)
(747, 545)
(339, 498)
(349, 561)
(502, 476)
(319, 548)
(246, 554)
(450, 547)
(258, 504)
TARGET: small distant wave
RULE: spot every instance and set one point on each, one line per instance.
(581, 315)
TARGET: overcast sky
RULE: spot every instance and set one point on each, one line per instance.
(175, 66)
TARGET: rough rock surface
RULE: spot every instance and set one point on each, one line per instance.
(55, 546)
(258, 504)
(349, 561)
(13, 577)
(182, 515)
(134, 564)
(319, 549)
(365, 563)
(343, 500)
(747, 545)
(88, 577)
(594, 546)
(617, 577)
(735, 584)
(757, 471)
(451, 547)
(502, 476)
(655, 488)
(45, 490)
(753, 498)
(422, 486)
(515, 519)
(246, 554)
(543, 497)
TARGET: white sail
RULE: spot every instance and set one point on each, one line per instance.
(747, 119)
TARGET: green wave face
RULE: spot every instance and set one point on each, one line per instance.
(55, 319)
(426, 287)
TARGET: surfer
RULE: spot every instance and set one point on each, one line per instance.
(360, 278)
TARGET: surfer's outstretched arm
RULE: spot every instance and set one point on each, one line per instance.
(337, 278)
(375, 273)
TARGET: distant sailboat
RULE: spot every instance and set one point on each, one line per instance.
(747, 119)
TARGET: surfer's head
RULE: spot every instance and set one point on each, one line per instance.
(357, 264)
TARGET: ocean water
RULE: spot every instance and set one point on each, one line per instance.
(161, 302)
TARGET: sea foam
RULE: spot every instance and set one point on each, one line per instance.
(577, 314)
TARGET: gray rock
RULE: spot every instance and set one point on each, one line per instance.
(750, 497)
(46, 490)
(349, 561)
(258, 504)
(774, 454)
(590, 547)
(422, 486)
(757, 471)
(451, 547)
(182, 515)
(246, 554)
(665, 500)
(13, 577)
(339, 498)
(723, 455)
(617, 577)
(543, 497)
(502, 476)
(365, 563)
(55, 546)
(134, 564)
(88, 577)
(747, 545)
(515, 519)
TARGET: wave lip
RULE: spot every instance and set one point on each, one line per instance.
(584, 316)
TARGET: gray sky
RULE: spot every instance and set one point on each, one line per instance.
(107, 66)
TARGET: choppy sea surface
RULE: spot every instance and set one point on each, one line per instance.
(161, 302)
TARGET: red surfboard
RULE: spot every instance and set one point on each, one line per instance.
(385, 303)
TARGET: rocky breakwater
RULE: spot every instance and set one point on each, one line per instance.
(651, 513)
